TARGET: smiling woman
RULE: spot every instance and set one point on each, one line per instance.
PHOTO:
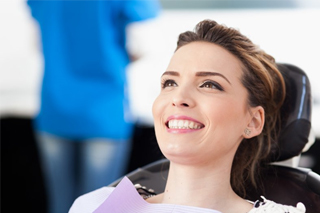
(256, 72)
(216, 120)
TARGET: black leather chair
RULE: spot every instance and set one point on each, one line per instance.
(283, 184)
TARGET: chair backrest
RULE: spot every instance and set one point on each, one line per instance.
(282, 184)
(295, 114)
(288, 185)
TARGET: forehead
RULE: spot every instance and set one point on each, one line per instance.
(205, 56)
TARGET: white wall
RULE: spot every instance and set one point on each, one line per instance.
(20, 60)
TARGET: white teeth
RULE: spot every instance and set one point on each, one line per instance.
(183, 124)
(174, 123)
(186, 123)
(180, 124)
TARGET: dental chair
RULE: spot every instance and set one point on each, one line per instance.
(283, 184)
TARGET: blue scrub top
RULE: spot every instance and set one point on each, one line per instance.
(84, 84)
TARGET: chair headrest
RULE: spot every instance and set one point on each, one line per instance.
(295, 114)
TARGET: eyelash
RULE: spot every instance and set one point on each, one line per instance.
(203, 85)
(166, 81)
(215, 84)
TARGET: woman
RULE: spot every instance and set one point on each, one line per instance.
(216, 120)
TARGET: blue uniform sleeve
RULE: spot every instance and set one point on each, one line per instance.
(35, 6)
(138, 10)
(31, 4)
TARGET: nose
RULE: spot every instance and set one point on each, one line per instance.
(182, 99)
(180, 104)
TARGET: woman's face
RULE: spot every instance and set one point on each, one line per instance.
(201, 112)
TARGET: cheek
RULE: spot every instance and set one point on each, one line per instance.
(156, 108)
(220, 110)
(228, 116)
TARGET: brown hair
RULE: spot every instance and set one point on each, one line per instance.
(265, 86)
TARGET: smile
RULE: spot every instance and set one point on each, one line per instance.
(183, 124)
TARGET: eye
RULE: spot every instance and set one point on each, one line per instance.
(211, 85)
(168, 83)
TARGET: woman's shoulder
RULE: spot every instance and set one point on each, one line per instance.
(90, 201)
(269, 206)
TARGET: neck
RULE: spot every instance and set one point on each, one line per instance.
(200, 186)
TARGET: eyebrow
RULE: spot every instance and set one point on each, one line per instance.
(212, 74)
(200, 74)
(171, 73)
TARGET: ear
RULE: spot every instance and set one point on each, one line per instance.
(256, 122)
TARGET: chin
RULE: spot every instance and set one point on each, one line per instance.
(178, 155)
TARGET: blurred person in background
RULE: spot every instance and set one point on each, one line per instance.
(84, 125)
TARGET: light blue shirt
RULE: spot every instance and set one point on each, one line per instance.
(84, 84)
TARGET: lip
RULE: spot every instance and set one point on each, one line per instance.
(182, 117)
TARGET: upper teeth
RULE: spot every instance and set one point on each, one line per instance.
(183, 124)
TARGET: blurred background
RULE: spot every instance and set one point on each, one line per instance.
(286, 29)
